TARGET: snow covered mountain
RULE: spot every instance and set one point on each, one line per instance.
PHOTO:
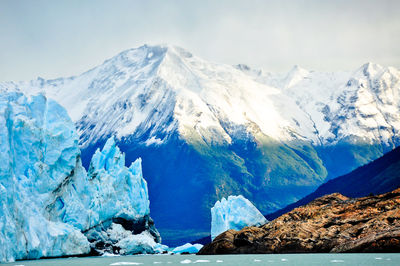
(215, 129)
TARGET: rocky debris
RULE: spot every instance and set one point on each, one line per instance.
(332, 223)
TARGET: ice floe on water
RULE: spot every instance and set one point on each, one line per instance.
(106, 254)
(336, 261)
(197, 261)
(188, 248)
(126, 263)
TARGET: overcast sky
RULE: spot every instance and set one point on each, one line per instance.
(51, 38)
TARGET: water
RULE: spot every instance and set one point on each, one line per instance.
(226, 260)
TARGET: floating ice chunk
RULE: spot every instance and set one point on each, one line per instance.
(188, 248)
(140, 243)
(126, 263)
(234, 213)
(337, 261)
(106, 254)
(186, 261)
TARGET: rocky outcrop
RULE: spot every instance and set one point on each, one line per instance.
(333, 223)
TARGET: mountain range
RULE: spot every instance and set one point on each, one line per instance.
(206, 130)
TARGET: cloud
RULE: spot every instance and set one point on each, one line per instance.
(54, 38)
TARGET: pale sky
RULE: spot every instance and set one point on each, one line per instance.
(54, 39)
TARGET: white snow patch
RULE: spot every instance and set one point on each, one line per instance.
(153, 140)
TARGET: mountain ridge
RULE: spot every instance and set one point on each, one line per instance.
(207, 130)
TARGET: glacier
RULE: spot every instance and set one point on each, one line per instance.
(49, 205)
(235, 213)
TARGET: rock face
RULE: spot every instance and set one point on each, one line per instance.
(333, 223)
(235, 213)
(49, 205)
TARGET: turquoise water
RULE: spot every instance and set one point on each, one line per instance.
(222, 260)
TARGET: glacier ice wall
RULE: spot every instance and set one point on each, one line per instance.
(38, 152)
(49, 205)
(235, 213)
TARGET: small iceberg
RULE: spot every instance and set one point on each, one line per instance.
(187, 248)
(234, 213)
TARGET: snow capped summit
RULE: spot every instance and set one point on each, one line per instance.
(295, 75)
(152, 91)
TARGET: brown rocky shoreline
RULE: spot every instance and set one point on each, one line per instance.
(332, 223)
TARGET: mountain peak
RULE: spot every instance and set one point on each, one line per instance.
(370, 69)
(295, 75)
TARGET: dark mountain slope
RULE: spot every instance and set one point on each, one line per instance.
(377, 177)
